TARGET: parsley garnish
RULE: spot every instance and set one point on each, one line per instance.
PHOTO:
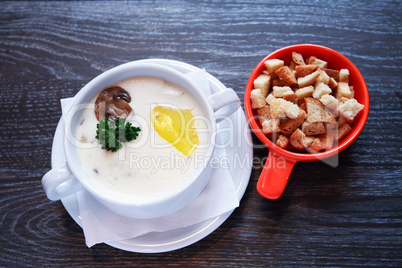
(110, 136)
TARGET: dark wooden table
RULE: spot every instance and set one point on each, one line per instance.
(350, 215)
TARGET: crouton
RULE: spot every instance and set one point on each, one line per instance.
(313, 128)
(343, 90)
(277, 108)
(290, 96)
(342, 132)
(263, 114)
(286, 75)
(332, 83)
(298, 58)
(320, 90)
(352, 91)
(308, 79)
(292, 65)
(270, 98)
(330, 102)
(278, 83)
(350, 108)
(303, 70)
(323, 78)
(344, 75)
(303, 106)
(280, 91)
(316, 112)
(281, 108)
(327, 140)
(341, 120)
(273, 65)
(332, 73)
(304, 92)
(257, 99)
(263, 82)
(299, 140)
(282, 142)
(288, 126)
(317, 145)
(270, 126)
(342, 99)
(315, 61)
(307, 141)
(292, 110)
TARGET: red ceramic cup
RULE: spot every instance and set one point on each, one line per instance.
(280, 162)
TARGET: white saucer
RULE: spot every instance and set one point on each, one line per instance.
(240, 156)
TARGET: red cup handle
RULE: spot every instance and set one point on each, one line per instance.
(274, 176)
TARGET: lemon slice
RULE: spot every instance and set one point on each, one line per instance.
(176, 126)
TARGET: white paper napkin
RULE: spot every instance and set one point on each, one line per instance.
(219, 196)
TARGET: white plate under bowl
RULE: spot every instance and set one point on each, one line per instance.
(239, 153)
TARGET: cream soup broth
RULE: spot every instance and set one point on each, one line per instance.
(149, 166)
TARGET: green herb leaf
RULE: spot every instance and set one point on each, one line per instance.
(110, 136)
(131, 132)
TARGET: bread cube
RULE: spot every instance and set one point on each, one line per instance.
(263, 114)
(299, 140)
(292, 110)
(263, 82)
(257, 99)
(329, 101)
(303, 106)
(282, 141)
(350, 108)
(343, 90)
(304, 92)
(308, 79)
(342, 132)
(332, 83)
(313, 128)
(329, 138)
(320, 90)
(316, 112)
(341, 120)
(292, 65)
(277, 107)
(280, 91)
(352, 91)
(323, 78)
(290, 96)
(332, 73)
(288, 126)
(344, 75)
(273, 65)
(315, 61)
(303, 70)
(270, 126)
(281, 108)
(278, 83)
(317, 145)
(298, 58)
(286, 75)
(270, 98)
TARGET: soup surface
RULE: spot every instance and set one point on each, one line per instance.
(152, 165)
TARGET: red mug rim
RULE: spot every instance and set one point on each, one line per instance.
(324, 53)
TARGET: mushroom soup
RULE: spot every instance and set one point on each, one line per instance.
(168, 151)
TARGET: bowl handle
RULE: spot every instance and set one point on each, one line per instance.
(274, 176)
(224, 103)
(60, 182)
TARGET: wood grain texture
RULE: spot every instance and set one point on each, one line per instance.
(350, 215)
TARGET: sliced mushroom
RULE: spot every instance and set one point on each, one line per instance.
(112, 102)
